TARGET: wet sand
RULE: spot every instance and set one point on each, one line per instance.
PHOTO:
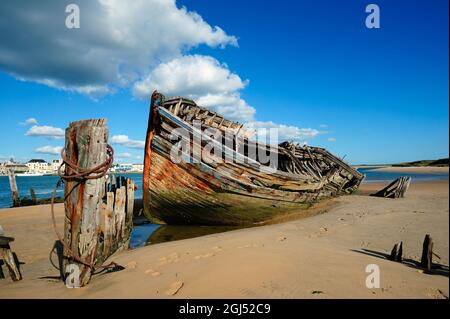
(316, 257)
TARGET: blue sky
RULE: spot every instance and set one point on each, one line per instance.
(371, 95)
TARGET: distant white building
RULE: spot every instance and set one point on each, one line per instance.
(56, 164)
(138, 167)
(12, 165)
(121, 168)
(38, 166)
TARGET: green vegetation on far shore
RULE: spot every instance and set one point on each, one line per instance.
(443, 162)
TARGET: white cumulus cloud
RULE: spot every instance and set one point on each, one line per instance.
(139, 44)
(117, 43)
(283, 132)
(45, 131)
(202, 78)
(195, 75)
(29, 121)
(124, 140)
(53, 150)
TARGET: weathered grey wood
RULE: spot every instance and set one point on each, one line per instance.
(108, 216)
(13, 187)
(119, 213)
(117, 218)
(129, 209)
(86, 143)
(396, 189)
(427, 253)
(9, 258)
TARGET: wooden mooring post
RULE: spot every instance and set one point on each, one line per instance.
(95, 224)
(13, 187)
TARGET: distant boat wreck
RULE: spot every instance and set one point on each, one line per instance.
(192, 175)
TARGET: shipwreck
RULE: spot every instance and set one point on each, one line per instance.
(184, 182)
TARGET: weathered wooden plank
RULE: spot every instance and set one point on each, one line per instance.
(108, 225)
(395, 189)
(129, 206)
(119, 214)
(13, 187)
(11, 262)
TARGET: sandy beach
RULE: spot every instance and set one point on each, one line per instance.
(316, 257)
(413, 169)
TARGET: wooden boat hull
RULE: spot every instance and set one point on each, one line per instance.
(178, 197)
(223, 193)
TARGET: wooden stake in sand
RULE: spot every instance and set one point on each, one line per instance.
(13, 187)
(396, 253)
(427, 253)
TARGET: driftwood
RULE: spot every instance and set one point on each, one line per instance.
(13, 187)
(9, 258)
(427, 253)
(396, 189)
(96, 211)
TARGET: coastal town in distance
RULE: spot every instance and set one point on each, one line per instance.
(40, 167)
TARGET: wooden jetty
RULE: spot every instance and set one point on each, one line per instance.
(223, 192)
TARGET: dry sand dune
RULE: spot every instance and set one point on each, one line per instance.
(316, 257)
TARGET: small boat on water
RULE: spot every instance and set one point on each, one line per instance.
(192, 175)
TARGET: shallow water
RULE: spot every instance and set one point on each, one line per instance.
(377, 176)
(43, 187)
(148, 234)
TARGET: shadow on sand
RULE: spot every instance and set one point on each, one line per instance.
(436, 269)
